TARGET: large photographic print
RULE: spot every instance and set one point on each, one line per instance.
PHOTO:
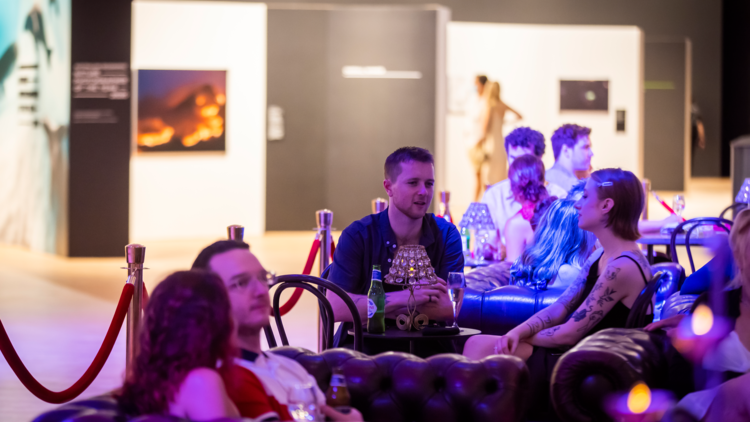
(181, 110)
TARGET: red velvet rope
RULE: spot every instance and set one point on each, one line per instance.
(37, 389)
(297, 293)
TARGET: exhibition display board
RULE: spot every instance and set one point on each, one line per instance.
(64, 116)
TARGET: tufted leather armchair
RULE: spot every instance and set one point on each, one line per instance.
(613, 360)
(388, 387)
(499, 310)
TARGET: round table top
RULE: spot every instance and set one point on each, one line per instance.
(393, 333)
(659, 239)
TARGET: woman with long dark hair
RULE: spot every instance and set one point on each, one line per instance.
(526, 177)
(185, 348)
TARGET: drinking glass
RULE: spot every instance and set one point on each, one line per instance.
(456, 285)
(678, 204)
(303, 403)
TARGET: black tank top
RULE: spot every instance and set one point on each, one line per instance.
(617, 317)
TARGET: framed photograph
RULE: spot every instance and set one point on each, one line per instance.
(584, 95)
(181, 110)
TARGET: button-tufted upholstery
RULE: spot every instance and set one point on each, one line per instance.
(499, 310)
(388, 387)
(396, 386)
(608, 361)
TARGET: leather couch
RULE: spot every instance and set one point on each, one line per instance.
(612, 361)
(499, 310)
(388, 387)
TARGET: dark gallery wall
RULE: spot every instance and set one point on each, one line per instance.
(698, 20)
(99, 172)
(736, 74)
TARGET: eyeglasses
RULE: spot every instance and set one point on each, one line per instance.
(268, 279)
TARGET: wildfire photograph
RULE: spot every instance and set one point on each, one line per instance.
(181, 110)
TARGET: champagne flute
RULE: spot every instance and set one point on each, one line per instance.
(456, 286)
(303, 403)
(678, 204)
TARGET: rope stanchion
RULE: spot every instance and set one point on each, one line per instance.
(37, 389)
(144, 301)
(297, 293)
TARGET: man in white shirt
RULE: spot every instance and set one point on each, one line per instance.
(498, 197)
(572, 148)
(262, 381)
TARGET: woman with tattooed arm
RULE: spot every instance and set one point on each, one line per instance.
(607, 286)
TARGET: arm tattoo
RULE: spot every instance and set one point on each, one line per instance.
(611, 273)
(597, 286)
(581, 314)
(594, 319)
(572, 295)
(606, 296)
(549, 332)
(538, 323)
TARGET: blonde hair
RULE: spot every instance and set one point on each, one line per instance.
(492, 93)
(739, 239)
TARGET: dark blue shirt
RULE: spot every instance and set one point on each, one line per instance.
(371, 241)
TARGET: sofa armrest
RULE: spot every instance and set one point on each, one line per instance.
(609, 361)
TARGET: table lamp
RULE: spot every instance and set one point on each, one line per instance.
(477, 219)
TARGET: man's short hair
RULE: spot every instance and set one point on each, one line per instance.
(526, 137)
(204, 257)
(404, 155)
(567, 134)
(482, 79)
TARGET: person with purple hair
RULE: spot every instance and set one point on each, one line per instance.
(499, 197)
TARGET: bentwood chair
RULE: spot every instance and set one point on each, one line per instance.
(735, 208)
(314, 285)
(666, 280)
(694, 223)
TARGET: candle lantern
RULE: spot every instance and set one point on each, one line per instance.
(411, 269)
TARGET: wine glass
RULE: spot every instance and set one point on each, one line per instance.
(303, 403)
(456, 286)
(678, 204)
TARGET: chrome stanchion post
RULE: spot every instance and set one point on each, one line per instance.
(644, 216)
(324, 218)
(236, 232)
(135, 255)
(378, 205)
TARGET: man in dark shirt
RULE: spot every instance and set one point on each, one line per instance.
(374, 240)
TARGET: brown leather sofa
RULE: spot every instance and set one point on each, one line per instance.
(611, 361)
(389, 387)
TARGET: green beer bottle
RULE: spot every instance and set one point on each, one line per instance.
(376, 303)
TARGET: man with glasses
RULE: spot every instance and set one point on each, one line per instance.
(260, 381)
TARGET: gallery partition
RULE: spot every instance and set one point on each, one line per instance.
(346, 87)
(64, 116)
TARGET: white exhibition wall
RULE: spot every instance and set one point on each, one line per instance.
(198, 194)
(529, 61)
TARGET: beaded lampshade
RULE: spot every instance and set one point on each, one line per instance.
(743, 195)
(410, 266)
(477, 217)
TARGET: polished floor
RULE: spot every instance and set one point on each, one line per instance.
(57, 310)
